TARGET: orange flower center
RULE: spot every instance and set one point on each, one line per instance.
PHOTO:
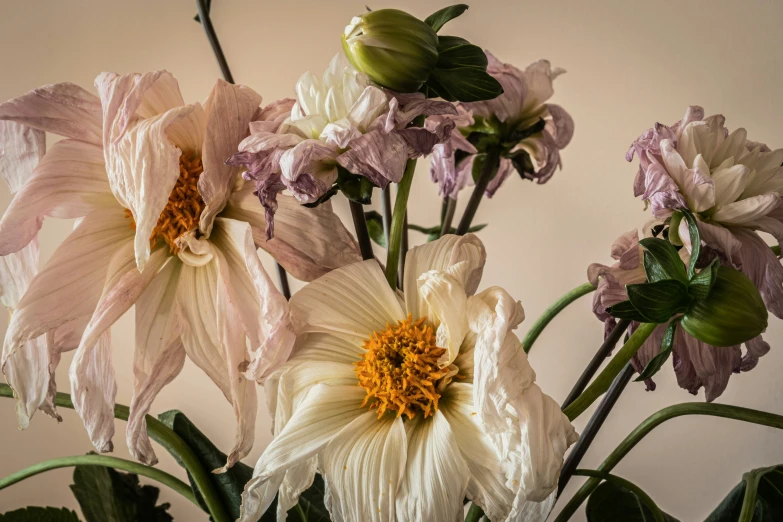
(400, 369)
(183, 210)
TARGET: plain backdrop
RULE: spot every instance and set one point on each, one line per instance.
(629, 63)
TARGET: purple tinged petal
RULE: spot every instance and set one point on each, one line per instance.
(561, 127)
(378, 156)
(761, 265)
(756, 348)
(504, 171)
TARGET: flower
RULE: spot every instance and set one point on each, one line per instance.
(394, 49)
(696, 363)
(163, 224)
(409, 402)
(337, 121)
(732, 186)
(528, 131)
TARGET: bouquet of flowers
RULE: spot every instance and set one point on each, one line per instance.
(398, 387)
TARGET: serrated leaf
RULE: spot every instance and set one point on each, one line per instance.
(439, 18)
(661, 261)
(656, 363)
(764, 486)
(465, 84)
(40, 514)
(626, 310)
(106, 495)
(693, 231)
(375, 227)
(657, 302)
(455, 52)
(701, 283)
(610, 502)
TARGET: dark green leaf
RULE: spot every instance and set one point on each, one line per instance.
(354, 187)
(40, 514)
(312, 502)
(661, 261)
(515, 136)
(626, 310)
(454, 52)
(465, 84)
(693, 231)
(522, 163)
(610, 502)
(701, 284)
(767, 483)
(674, 229)
(106, 495)
(478, 167)
(656, 363)
(334, 189)
(375, 227)
(439, 18)
(659, 301)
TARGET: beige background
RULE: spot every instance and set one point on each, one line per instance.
(629, 64)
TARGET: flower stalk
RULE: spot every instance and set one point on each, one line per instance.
(474, 513)
(398, 220)
(551, 312)
(448, 216)
(488, 171)
(362, 234)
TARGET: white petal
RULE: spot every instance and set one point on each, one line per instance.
(367, 303)
(229, 110)
(363, 466)
(440, 255)
(21, 148)
(27, 372)
(322, 346)
(296, 481)
(447, 308)
(436, 476)
(729, 183)
(746, 210)
(69, 182)
(370, 104)
(17, 271)
(159, 355)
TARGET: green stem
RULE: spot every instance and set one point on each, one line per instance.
(106, 461)
(398, 220)
(653, 421)
(474, 513)
(626, 484)
(170, 441)
(488, 171)
(302, 514)
(550, 313)
(749, 499)
(601, 383)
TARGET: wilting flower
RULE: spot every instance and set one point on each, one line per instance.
(528, 131)
(696, 363)
(410, 402)
(340, 120)
(732, 186)
(164, 224)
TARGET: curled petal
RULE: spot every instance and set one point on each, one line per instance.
(308, 170)
(378, 156)
(21, 147)
(562, 125)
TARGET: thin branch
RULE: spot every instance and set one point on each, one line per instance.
(448, 216)
(488, 171)
(387, 211)
(362, 234)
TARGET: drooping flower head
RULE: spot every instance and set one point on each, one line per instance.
(410, 402)
(527, 131)
(338, 121)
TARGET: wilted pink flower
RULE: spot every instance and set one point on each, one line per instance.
(512, 118)
(340, 120)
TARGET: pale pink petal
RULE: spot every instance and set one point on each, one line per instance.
(27, 372)
(62, 108)
(21, 148)
(229, 110)
(378, 156)
(746, 210)
(561, 126)
(697, 364)
(761, 265)
(308, 170)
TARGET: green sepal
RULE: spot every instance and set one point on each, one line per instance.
(656, 363)
(626, 310)
(657, 302)
(513, 138)
(674, 229)
(661, 261)
(465, 84)
(442, 16)
(375, 227)
(354, 187)
(701, 283)
(455, 52)
(693, 230)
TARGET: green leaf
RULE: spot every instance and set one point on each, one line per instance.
(439, 18)
(693, 231)
(312, 503)
(334, 189)
(674, 229)
(354, 187)
(701, 283)
(657, 302)
(106, 495)
(765, 487)
(375, 227)
(661, 261)
(455, 52)
(626, 310)
(465, 84)
(40, 514)
(612, 502)
(656, 363)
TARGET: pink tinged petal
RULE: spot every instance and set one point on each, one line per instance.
(504, 171)
(761, 265)
(69, 182)
(271, 116)
(229, 110)
(370, 104)
(538, 80)
(267, 141)
(27, 372)
(367, 304)
(63, 108)
(697, 364)
(378, 156)
(159, 355)
(562, 126)
(625, 249)
(716, 236)
(746, 211)
(436, 476)
(143, 166)
(308, 170)
(21, 148)
(17, 271)
(756, 348)
(770, 225)
(363, 466)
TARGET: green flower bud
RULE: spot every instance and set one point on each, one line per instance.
(393, 48)
(731, 314)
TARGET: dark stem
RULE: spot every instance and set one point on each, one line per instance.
(448, 216)
(387, 212)
(488, 170)
(593, 425)
(362, 234)
(403, 251)
(595, 364)
(206, 22)
(282, 277)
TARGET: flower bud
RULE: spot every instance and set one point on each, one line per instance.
(394, 49)
(731, 314)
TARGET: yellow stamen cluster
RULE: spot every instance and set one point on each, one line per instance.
(400, 369)
(183, 210)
